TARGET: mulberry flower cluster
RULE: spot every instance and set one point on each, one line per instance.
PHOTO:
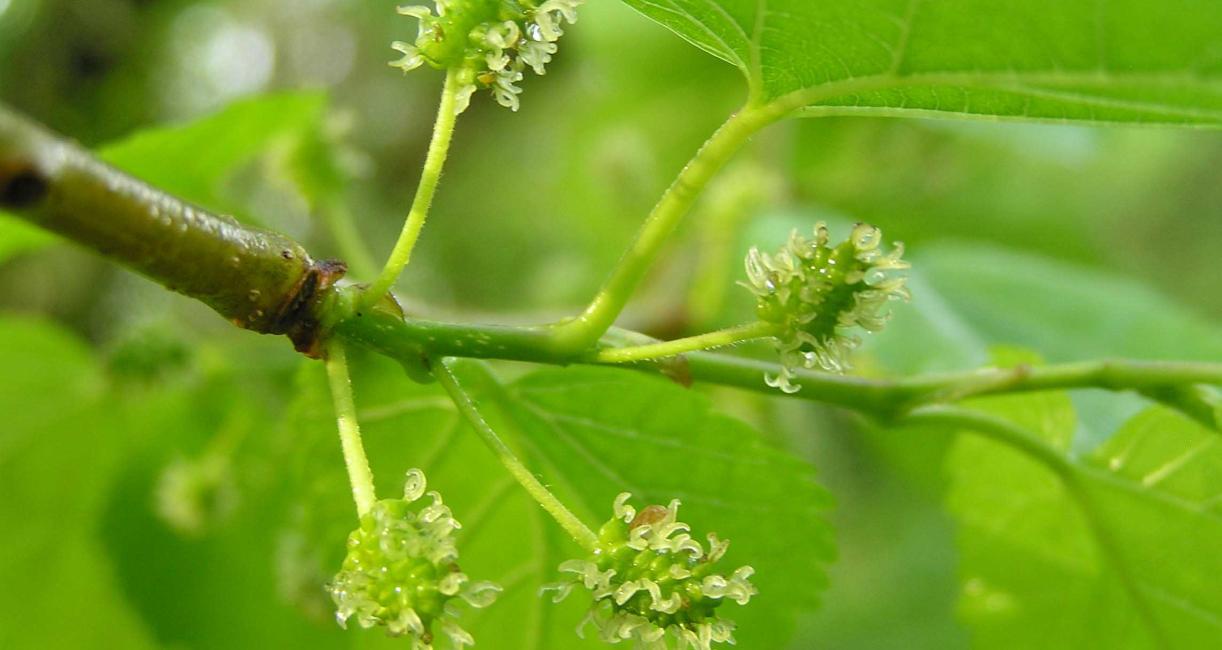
(490, 42)
(816, 293)
(401, 570)
(653, 583)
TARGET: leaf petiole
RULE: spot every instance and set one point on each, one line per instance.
(582, 332)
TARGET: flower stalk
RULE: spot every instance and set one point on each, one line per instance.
(430, 177)
(359, 474)
(518, 470)
(708, 341)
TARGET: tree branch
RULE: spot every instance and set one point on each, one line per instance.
(268, 283)
(258, 280)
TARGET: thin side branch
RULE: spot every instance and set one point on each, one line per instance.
(388, 332)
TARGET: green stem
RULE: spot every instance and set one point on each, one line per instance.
(996, 429)
(430, 176)
(707, 341)
(1011, 435)
(267, 282)
(359, 473)
(539, 492)
(582, 332)
(385, 330)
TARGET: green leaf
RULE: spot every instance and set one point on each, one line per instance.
(60, 448)
(655, 439)
(1119, 61)
(17, 237)
(1119, 553)
(223, 575)
(967, 300)
(193, 160)
(660, 441)
(1064, 311)
(505, 537)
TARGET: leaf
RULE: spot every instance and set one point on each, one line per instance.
(658, 440)
(192, 160)
(505, 537)
(1066, 312)
(222, 574)
(1117, 61)
(17, 237)
(59, 451)
(1118, 557)
(968, 300)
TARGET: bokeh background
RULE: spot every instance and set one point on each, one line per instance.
(534, 209)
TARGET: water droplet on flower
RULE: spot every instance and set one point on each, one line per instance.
(866, 237)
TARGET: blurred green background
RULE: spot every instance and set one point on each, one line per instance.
(534, 209)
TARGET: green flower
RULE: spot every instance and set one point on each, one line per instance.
(818, 293)
(492, 42)
(653, 583)
(401, 570)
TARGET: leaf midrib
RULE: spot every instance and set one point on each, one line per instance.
(1016, 81)
(999, 80)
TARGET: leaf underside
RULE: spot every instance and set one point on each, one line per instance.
(1045, 564)
(1099, 61)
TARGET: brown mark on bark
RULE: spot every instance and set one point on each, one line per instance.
(21, 186)
(298, 316)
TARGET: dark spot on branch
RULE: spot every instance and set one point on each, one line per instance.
(21, 187)
(297, 318)
(89, 63)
